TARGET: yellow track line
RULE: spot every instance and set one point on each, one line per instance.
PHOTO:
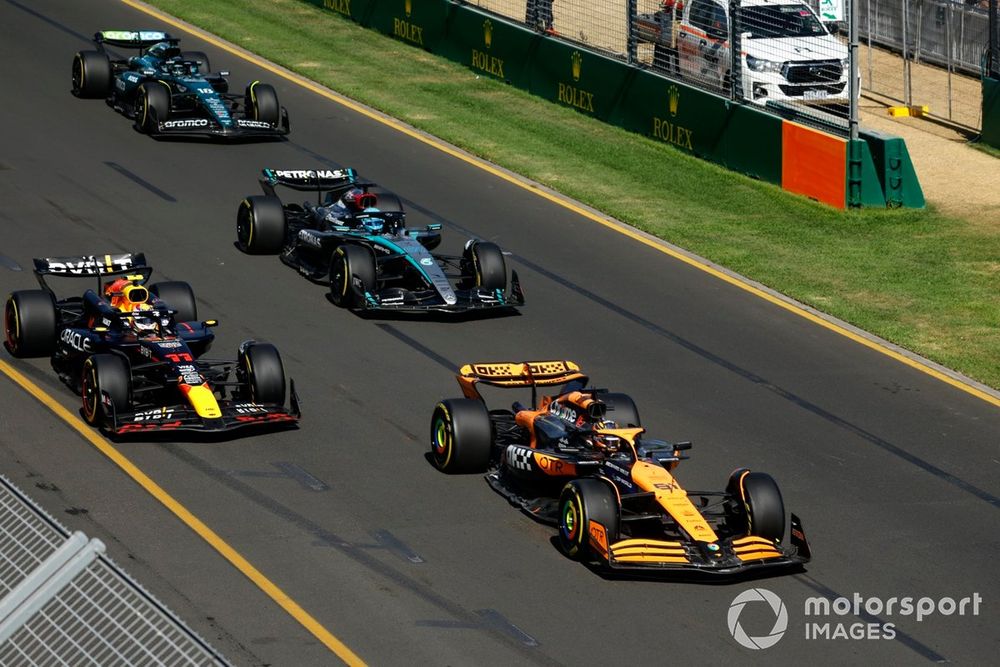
(182, 513)
(616, 226)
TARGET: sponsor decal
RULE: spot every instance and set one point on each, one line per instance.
(89, 265)
(308, 238)
(427, 261)
(576, 96)
(339, 6)
(562, 411)
(321, 173)
(187, 122)
(190, 375)
(76, 340)
(249, 408)
(244, 122)
(484, 62)
(406, 30)
(153, 415)
(670, 131)
(518, 458)
(168, 344)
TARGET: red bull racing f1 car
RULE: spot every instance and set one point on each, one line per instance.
(579, 460)
(135, 353)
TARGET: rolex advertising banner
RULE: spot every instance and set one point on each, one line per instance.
(357, 10)
(491, 46)
(574, 77)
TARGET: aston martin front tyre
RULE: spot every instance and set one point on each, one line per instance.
(106, 388)
(588, 507)
(261, 367)
(352, 274)
(152, 106)
(262, 103)
(29, 323)
(260, 225)
(92, 74)
(461, 436)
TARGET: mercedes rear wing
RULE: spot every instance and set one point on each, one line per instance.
(310, 180)
(518, 374)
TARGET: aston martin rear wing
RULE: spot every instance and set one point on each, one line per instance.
(517, 374)
(132, 39)
(92, 266)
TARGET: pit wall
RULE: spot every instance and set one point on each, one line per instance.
(874, 171)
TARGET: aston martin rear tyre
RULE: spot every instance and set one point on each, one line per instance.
(352, 273)
(105, 374)
(461, 436)
(260, 225)
(264, 374)
(30, 324)
(587, 507)
(92, 74)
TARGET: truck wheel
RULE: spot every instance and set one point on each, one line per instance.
(30, 324)
(260, 225)
(105, 374)
(461, 436)
(587, 506)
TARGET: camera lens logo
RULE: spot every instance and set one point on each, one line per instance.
(776, 606)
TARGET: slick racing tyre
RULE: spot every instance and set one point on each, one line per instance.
(91, 74)
(621, 409)
(204, 67)
(29, 322)
(581, 502)
(262, 103)
(105, 374)
(260, 225)
(179, 297)
(488, 266)
(352, 273)
(152, 106)
(261, 368)
(760, 508)
(461, 436)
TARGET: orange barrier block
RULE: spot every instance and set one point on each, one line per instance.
(814, 164)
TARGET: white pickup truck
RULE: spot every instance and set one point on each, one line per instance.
(787, 53)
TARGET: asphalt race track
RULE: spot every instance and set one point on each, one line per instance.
(894, 473)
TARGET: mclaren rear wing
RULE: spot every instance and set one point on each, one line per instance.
(517, 374)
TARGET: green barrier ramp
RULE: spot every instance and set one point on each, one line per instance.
(894, 170)
(991, 112)
(491, 46)
(864, 187)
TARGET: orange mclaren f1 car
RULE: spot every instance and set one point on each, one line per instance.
(579, 460)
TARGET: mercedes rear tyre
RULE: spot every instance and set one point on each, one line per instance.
(152, 106)
(352, 274)
(179, 297)
(461, 436)
(105, 376)
(260, 225)
(588, 508)
(92, 74)
(29, 323)
(488, 266)
(262, 103)
(261, 368)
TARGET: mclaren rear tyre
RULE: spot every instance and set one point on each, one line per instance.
(179, 298)
(105, 375)
(204, 66)
(621, 409)
(461, 436)
(152, 106)
(260, 225)
(588, 507)
(352, 274)
(29, 323)
(760, 508)
(262, 103)
(92, 74)
(488, 265)
(260, 365)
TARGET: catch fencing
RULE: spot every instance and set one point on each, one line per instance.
(919, 53)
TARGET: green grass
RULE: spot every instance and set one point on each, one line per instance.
(927, 282)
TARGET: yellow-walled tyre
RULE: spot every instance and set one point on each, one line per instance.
(461, 436)
(261, 226)
(582, 502)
